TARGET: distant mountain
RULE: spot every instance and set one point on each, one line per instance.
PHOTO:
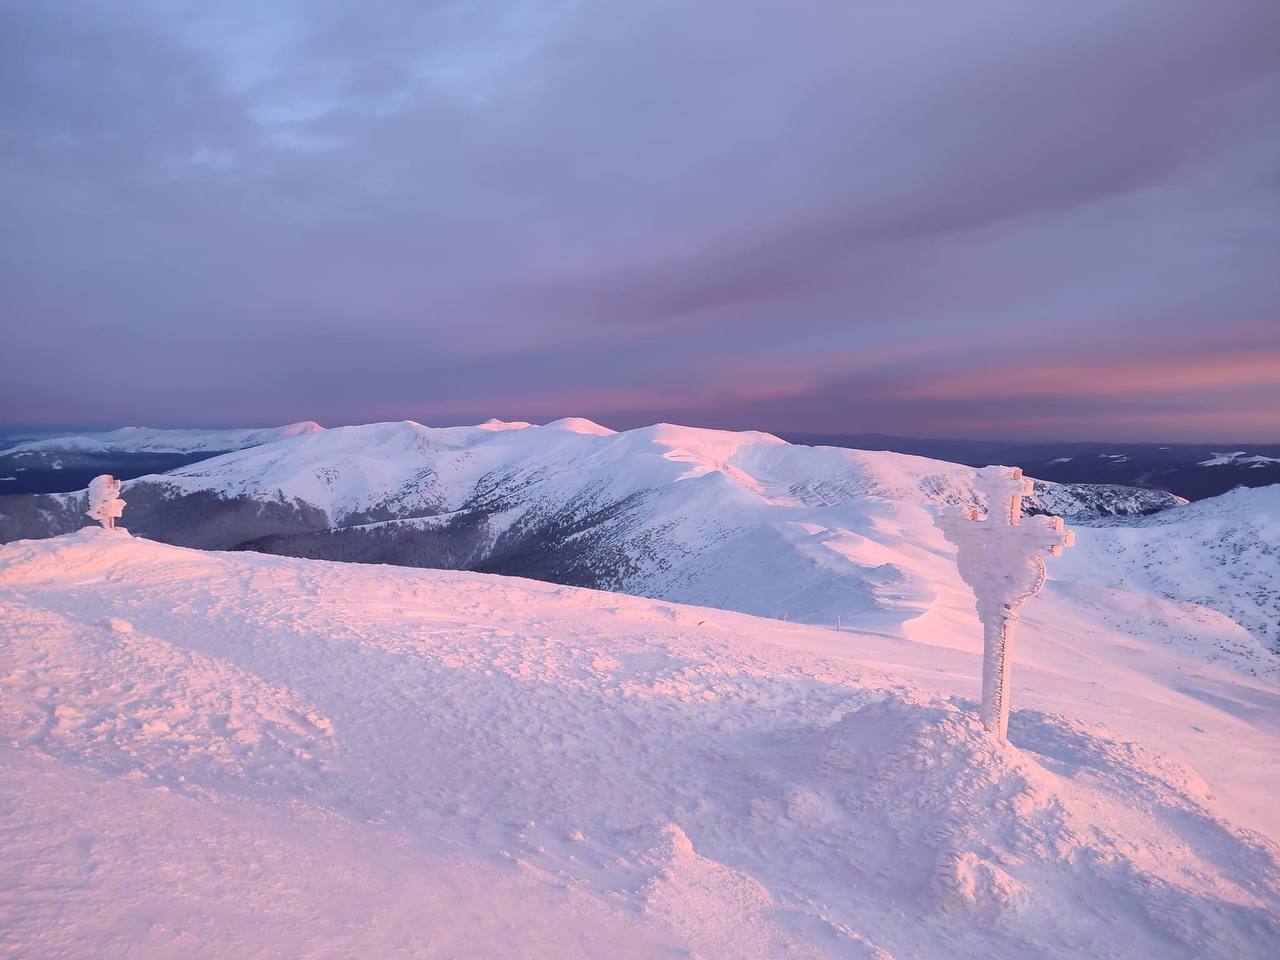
(153, 440)
(745, 521)
(1190, 470)
(60, 464)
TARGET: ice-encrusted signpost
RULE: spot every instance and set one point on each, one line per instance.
(105, 504)
(1001, 557)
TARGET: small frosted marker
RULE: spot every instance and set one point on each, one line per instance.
(105, 504)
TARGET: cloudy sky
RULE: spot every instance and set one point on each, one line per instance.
(991, 219)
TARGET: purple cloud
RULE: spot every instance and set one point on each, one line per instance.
(748, 217)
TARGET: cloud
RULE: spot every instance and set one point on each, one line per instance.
(1113, 377)
(757, 217)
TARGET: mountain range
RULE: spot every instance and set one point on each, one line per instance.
(33, 462)
(675, 512)
(61, 463)
(740, 521)
(1191, 470)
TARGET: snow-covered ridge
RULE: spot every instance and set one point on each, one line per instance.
(1238, 457)
(405, 466)
(153, 440)
(381, 762)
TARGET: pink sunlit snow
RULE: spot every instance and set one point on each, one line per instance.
(239, 755)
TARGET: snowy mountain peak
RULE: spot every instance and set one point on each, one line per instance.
(714, 444)
(301, 427)
(493, 423)
(580, 425)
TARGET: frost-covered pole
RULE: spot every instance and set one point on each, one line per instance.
(1001, 557)
(104, 500)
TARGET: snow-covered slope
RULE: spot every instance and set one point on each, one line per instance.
(238, 755)
(1222, 553)
(152, 440)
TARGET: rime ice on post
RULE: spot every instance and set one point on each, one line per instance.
(105, 504)
(1001, 557)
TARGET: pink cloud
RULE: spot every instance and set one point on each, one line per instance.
(1119, 377)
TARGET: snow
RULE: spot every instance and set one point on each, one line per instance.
(1220, 554)
(580, 425)
(493, 424)
(152, 440)
(347, 471)
(288, 757)
(1238, 457)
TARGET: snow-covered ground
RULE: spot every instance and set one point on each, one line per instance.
(240, 755)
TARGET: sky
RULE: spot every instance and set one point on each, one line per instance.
(998, 219)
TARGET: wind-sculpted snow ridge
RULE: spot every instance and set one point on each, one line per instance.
(250, 756)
